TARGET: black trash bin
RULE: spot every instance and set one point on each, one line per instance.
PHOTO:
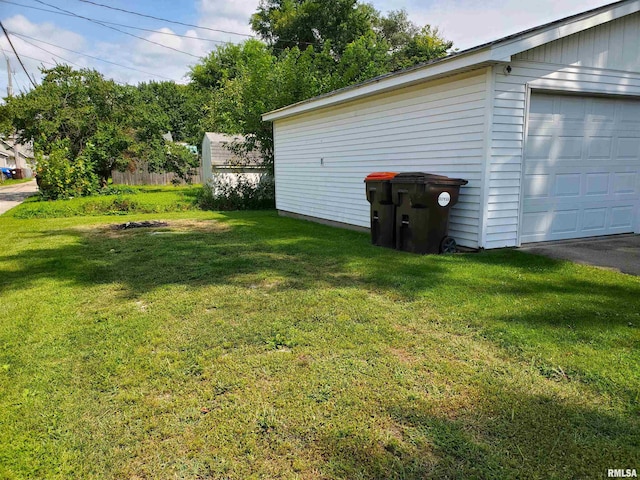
(422, 202)
(382, 209)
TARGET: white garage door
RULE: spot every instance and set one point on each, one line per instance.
(582, 168)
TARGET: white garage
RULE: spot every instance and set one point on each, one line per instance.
(581, 168)
(545, 126)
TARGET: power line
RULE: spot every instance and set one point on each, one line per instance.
(23, 36)
(18, 83)
(42, 62)
(47, 51)
(186, 24)
(55, 63)
(17, 56)
(62, 58)
(165, 19)
(37, 60)
(120, 24)
(118, 30)
(173, 34)
(46, 62)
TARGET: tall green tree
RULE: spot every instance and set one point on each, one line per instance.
(182, 105)
(239, 78)
(69, 105)
(81, 117)
(303, 23)
(311, 49)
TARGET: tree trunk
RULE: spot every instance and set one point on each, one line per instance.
(104, 179)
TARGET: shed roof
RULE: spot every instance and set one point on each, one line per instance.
(221, 155)
(223, 137)
(492, 53)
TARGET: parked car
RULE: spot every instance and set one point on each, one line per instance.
(6, 173)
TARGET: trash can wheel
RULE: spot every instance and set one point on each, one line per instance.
(448, 245)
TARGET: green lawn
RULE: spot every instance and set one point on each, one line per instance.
(124, 200)
(5, 182)
(244, 345)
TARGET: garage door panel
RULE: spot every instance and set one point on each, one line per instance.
(567, 185)
(567, 148)
(599, 148)
(595, 219)
(582, 168)
(625, 183)
(577, 222)
(565, 222)
(631, 114)
(622, 217)
(572, 109)
(595, 184)
(537, 185)
(628, 148)
(602, 112)
(555, 224)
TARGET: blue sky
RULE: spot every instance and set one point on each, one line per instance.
(466, 22)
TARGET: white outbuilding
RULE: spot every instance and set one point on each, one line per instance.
(544, 124)
(220, 162)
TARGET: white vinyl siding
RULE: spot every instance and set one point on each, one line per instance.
(597, 72)
(612, 46)
(323, 157)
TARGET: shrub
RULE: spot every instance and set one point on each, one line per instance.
(237, 192)
(37, 207)
(60, 177)
(118, 190)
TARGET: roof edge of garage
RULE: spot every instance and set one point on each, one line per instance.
(498, 51)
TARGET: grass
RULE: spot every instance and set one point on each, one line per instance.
(5, 182)
(124, 200)
(246, 345)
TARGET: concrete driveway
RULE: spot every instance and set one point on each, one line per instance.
(13, 195)
(615, 252)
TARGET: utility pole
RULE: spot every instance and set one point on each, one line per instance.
(16, 54)
(9, 84)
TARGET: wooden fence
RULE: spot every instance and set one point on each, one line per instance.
(143, 177)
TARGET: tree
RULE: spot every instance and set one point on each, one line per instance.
(311, 50)
(365, 58)
(425, 45)
(240, 78)
(302, 23)
(181, 104)
(88, 121)
(69, 105)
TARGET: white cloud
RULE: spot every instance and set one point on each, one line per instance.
(152, 57)
(239, 11)
(216, 15)
(469, 23)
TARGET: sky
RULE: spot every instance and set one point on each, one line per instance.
(118, 53)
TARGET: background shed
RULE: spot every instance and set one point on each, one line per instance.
(219, 158)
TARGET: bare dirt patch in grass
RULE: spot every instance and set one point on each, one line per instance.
(156, 227)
